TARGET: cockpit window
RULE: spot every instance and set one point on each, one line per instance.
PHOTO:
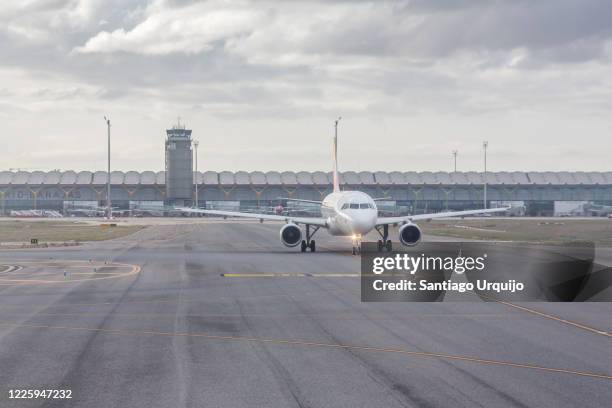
(356, 206)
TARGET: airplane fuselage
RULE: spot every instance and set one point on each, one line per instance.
(349, 213)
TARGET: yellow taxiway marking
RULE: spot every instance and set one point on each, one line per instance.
(556, 318)
(93, 265)
(95, 273)
(176, 300)
(133, 269)
(443, 356)
(290, 275)
(38, 274)
(328, 316)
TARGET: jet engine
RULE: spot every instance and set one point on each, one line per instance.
(291, 235)
(409, 234)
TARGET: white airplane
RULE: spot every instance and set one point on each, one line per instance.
(345, 213)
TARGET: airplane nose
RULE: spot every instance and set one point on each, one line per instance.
(362, 224)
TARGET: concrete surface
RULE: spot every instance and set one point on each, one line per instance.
(151, 322)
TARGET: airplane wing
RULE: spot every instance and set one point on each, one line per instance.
(408, 218)
(299, 200)
(321, 222)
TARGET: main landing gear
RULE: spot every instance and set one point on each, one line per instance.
(384, 243)
(309, 243)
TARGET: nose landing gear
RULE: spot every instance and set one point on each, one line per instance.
(356, 244)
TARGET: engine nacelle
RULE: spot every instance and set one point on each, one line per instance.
(410, 234)
(291, 235)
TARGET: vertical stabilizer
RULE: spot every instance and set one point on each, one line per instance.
(335, 157)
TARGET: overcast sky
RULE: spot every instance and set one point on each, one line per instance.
(261, 82)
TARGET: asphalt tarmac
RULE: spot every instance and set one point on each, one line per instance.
(220, 314)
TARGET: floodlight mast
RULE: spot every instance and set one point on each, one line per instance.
(109, 208)
(336, 177)
(196, 143)
(485, 144)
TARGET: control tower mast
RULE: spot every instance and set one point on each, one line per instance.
(179, 166)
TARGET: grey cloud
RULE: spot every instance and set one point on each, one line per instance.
(314, 57)
(540, 27)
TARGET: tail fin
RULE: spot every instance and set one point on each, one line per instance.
(335, 157)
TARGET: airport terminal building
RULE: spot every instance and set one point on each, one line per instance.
(155, 193)
(539, 193)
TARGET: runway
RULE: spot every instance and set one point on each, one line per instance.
(220, 314)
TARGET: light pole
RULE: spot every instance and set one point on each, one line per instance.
(336, 186)
(109, 208)
(196, 143)
(455, 156)
(485, 144)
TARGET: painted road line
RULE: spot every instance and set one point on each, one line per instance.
(133, 269)
(290, 275)
(557, 319)
(306, 343)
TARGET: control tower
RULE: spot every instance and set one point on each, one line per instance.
(179, 166)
